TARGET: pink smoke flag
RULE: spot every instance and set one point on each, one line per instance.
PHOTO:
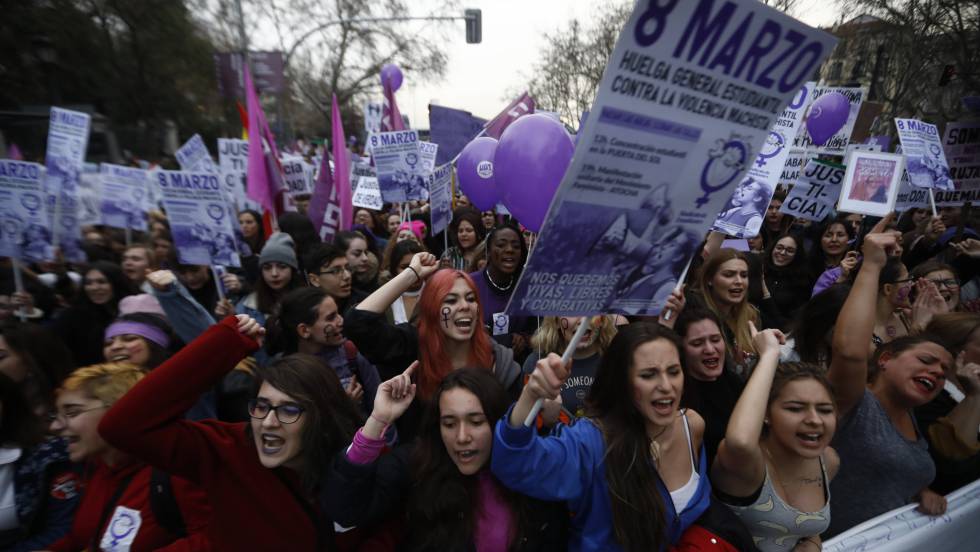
(524, 105)
(261, 186)
(391, 118)
(13, 152)
(330, 207)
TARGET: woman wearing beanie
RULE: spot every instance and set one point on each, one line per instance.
(280, 274)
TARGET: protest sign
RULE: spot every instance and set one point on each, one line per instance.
(89, 199)
(910, 197)
(296, 176)
(200, 222)
(961, 144)
(194, 156)
(906, 529)
(24, 230)
(233, 166)
(452, 129)
(396, 155)
(440, 198)
(742, 216)
(67, 142)
(815, 193)
(871, 183)
(367, 194)
(123, 196)
(924, 156)
(427, 164)
(676, 123)
(372, 117)
(837, 143)
(795, 161)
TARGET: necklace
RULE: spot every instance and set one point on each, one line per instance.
(497, 286)
(798, 482)
(655, 446)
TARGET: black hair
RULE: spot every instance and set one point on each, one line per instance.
(301, 229)
(508, 225)
(299, 306)
(19, 425)
(815, 321)
(443, 506)
(471, 216)
(402, 248)
(158, 354)
(121, 286)
(321, 255)
(638, 512)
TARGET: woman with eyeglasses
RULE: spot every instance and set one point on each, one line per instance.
(786, 276)
(944, 278)
(263, 475)
(116, 509)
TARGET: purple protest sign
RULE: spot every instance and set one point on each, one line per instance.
(452, 129)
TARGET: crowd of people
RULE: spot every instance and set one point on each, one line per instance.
(368, 394)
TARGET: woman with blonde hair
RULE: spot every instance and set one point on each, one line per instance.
(116, 508)
(552, 337)
(723, 287)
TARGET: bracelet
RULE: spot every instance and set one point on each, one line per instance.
(417, 277)
(383, 424)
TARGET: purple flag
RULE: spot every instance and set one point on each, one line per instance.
(524, 105)
(262, 187)
(330, 207)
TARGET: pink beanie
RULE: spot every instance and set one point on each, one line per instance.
(141, 303)
(416, 226)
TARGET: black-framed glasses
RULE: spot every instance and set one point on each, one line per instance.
(336, 271)
(947, 282)
(286, 413)
(784, 249)
(906, 280)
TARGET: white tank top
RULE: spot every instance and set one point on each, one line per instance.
(683, 495)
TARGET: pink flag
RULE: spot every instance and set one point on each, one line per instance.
(13, 152)
(330, 207)
(391, 118)
(262, 187)
(524, 105)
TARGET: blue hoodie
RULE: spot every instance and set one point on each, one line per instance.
(571, 467)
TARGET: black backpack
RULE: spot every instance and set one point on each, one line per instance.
(164, 506)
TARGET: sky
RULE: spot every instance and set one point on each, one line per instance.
(479, 76)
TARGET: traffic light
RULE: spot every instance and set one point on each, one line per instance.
(474, 25)
(949, 72)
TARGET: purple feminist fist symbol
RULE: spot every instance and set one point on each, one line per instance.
(770, 148)
(445, 316)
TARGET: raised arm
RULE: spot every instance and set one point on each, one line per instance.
(187, 317)
(739, 467)
(362, 488)
(855, 324)
(422, 266)
(147, 421)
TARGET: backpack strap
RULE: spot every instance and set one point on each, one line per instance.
(164, 506)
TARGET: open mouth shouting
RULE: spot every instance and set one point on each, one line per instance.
(810, 439)
(925, 384)
(663, 407)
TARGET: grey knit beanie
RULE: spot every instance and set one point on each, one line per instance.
(279, 248)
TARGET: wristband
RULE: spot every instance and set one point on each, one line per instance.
(418, 278)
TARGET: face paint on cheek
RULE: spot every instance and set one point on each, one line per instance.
(445, 316)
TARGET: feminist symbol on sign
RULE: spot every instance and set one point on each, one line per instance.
(215, 211)
(725, 163)
(31, 202)
(770, 148)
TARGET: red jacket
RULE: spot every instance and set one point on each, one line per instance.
(253, 509)
(99, 488)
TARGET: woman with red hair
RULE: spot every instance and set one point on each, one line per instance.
(444, 333)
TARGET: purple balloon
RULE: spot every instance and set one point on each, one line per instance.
(827, 115)
(475, 169)
(391, 74)
(531, 160)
